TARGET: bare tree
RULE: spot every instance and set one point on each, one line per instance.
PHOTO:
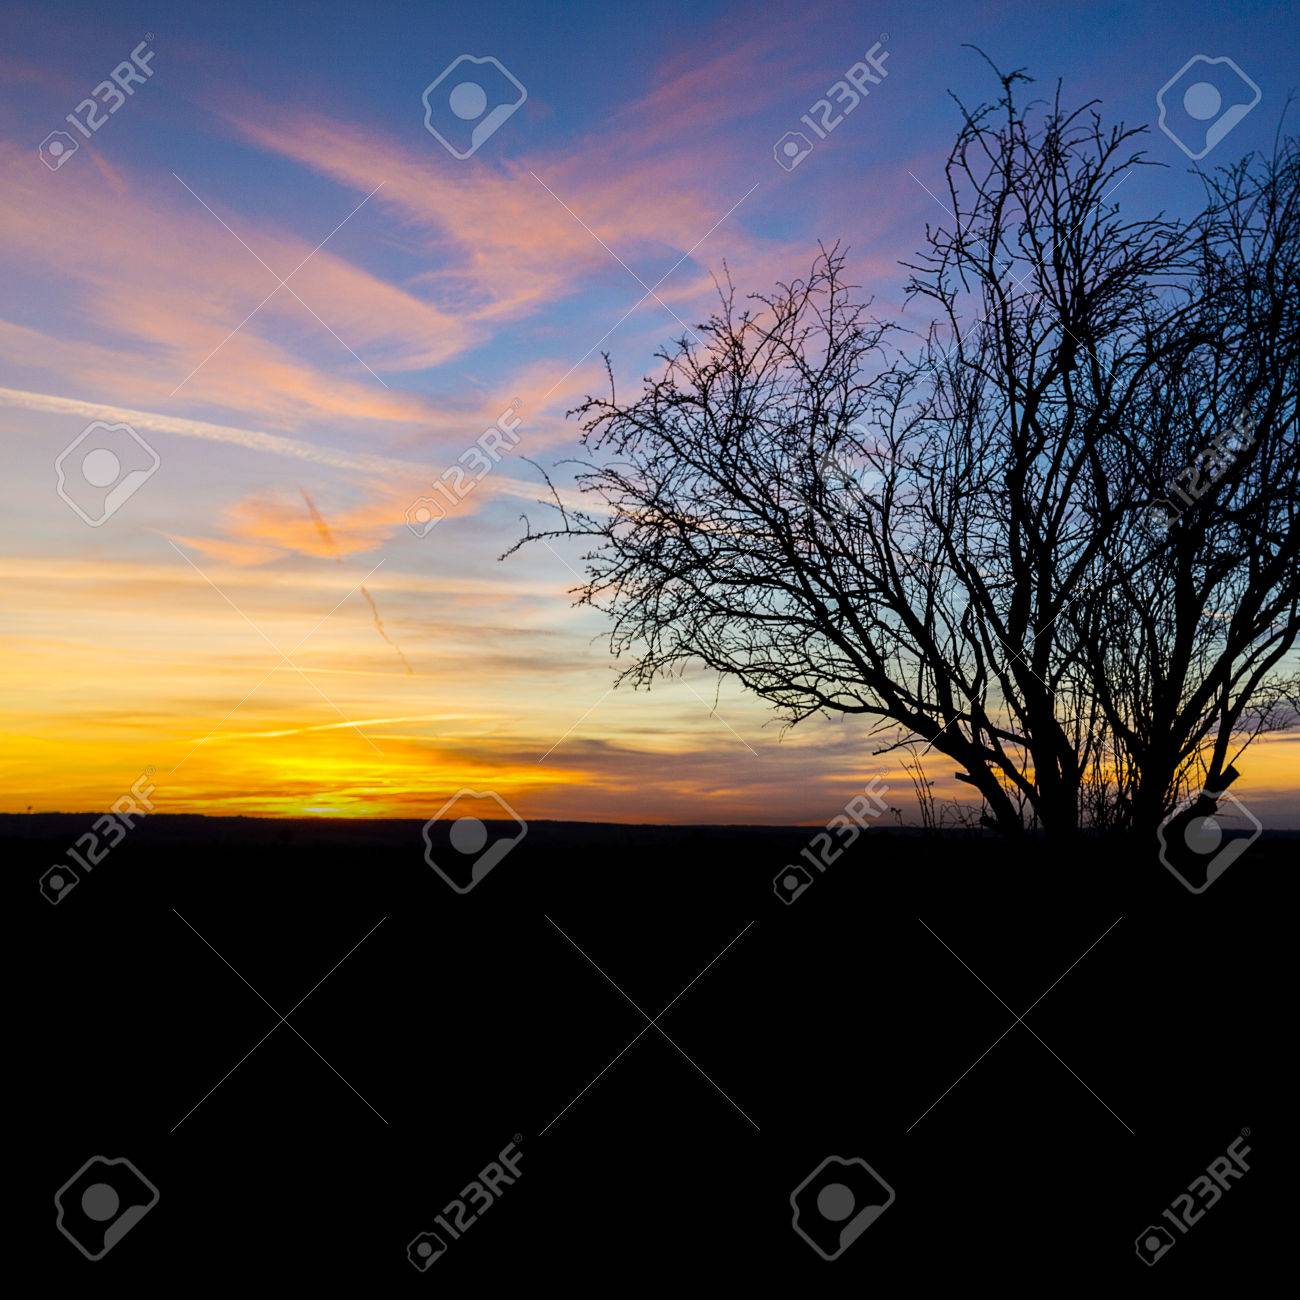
(956, 544)
(1190, 649)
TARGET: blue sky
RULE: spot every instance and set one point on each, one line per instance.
(428, 293)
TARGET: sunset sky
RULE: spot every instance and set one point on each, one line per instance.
(295, 423)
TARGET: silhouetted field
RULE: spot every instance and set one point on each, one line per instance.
(874, 1017)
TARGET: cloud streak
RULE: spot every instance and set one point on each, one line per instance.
(252, 439)
(328, 538)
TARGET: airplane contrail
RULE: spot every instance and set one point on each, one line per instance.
(254, 439)
(332, 547)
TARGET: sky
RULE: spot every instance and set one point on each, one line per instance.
(286, 309)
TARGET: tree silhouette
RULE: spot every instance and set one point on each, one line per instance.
(1052, 539)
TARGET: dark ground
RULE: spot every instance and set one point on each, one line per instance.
(835, 1024)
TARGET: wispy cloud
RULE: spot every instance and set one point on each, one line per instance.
(323, 529)
(253, 439)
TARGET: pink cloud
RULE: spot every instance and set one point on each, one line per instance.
(504, 244)
(151, 267)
